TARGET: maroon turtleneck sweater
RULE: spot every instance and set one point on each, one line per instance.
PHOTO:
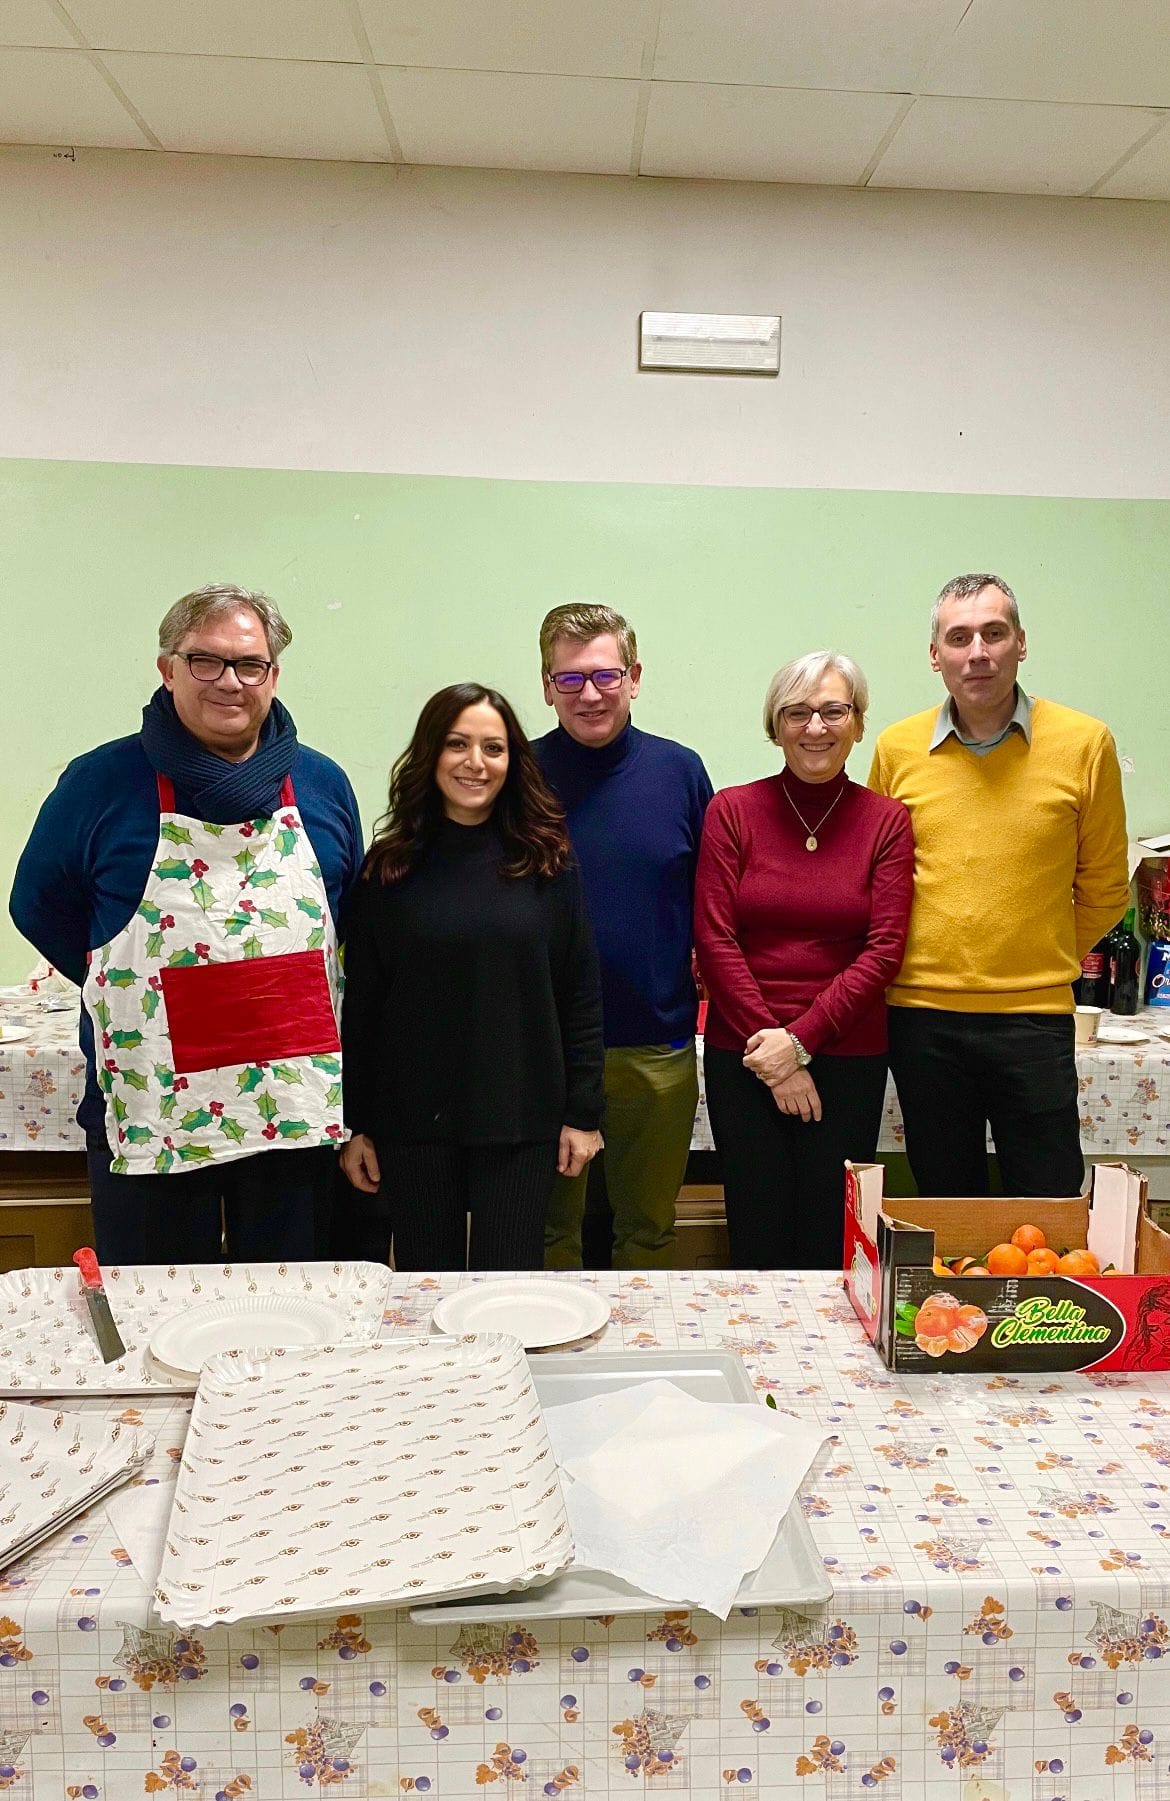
(798, 938)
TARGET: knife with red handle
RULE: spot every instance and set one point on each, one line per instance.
(105, 1331)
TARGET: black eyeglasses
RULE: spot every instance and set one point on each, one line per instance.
(251, 671)
(832, 713)
(572, 681)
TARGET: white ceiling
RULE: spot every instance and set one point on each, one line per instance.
(1008, 96)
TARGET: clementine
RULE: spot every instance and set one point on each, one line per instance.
(1042, 1262)
(1029, 1238)
(976, 1269)
(1007, 1260)
(1080, 1263)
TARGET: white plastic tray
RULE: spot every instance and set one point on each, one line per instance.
(361, 1477)
(792, 1574)
(47, 1346)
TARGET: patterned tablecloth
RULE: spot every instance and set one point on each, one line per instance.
(1125, 1098)
(42, 1079)
(1125, 1092)
(999, 1629)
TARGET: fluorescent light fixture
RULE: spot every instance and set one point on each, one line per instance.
(711, 343)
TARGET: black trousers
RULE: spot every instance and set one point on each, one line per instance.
(783, 1179)
(957, 1073)
(428, 1190)
(265, 1209)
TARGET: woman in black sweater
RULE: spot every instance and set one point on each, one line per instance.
(471, 1027)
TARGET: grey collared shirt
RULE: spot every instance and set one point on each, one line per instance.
(946, 723)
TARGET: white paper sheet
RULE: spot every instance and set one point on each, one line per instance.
(680, 1497)
(139, 1516)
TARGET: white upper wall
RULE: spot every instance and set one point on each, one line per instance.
(169, 309)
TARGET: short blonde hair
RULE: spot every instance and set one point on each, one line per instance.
(581, 621)
(803, 676)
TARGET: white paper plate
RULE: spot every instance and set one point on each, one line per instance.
(537, 1313)
(1120, 1035)
(185, 1341)
(13, 1034)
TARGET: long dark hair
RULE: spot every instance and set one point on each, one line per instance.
(526, 816)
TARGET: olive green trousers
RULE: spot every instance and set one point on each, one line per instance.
(651, 1092)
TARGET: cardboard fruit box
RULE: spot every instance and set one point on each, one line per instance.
(1045, 1323)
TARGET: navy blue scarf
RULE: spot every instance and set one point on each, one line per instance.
(221, 792)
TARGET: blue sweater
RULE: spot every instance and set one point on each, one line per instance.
(85, 867)
(635, 811)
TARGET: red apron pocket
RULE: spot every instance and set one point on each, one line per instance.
(259, 1010)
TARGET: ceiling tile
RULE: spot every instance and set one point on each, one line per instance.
(763, 134)
(241, 107)
(1007, 146)
(802, 43)
(1146, 176)
(551, 37)
(32, 22)
(58, 97)
(492, 121)
(308, 30)
(1077, 50)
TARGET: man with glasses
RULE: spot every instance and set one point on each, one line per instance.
(1020, 866)
(191, 877)
(635, 806)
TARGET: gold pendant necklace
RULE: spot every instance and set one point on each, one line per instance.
(810, 842)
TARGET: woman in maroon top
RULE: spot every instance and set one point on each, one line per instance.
(802, 901)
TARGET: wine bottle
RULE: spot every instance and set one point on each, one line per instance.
(1125, 962)
(1093, 988)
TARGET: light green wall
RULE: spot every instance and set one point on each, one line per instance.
(396, 585)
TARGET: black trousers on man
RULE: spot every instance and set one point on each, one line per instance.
(783, 1177)
(267, 1208)
(957, 1073)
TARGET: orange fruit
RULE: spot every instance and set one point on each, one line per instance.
(1029, 1238)
(1080, 1263)
(1007, 1260)
(974, 1319)
(962, 1266)
(1042, 1262)
(976, 1269)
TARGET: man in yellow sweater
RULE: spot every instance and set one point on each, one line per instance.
(1020, 866)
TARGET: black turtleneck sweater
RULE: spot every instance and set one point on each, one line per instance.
(472, 1010)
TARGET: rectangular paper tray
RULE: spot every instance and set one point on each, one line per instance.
(47, 1346)
(357, 1477)
(791, 1575)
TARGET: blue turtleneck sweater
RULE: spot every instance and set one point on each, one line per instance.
(635, 811)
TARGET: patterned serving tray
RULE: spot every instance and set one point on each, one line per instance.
(53, 1465)
(361, 1477)
(47, 1346)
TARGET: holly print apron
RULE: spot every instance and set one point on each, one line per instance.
(215, 1009)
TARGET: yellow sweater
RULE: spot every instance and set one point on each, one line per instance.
(1020, 860)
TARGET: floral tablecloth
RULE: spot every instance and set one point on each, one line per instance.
(1125, 1098)
(42, 1080)
(999, 1629)
(1125, 1092)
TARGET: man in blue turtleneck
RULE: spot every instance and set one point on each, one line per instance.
(635, 806)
